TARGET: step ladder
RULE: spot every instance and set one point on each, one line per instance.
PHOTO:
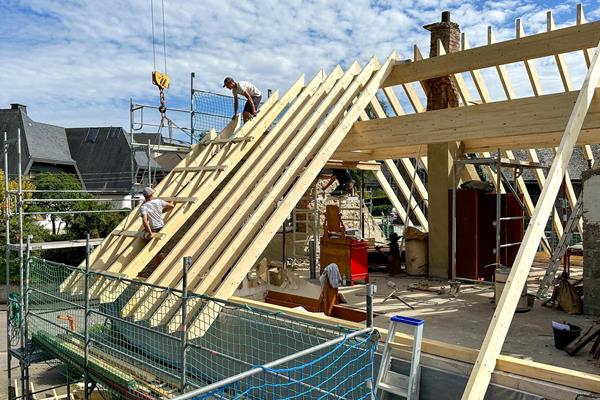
(561, 248)
(406, 386)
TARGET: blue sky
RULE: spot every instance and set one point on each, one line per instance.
(77, 63)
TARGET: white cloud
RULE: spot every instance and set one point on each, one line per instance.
(77, 63)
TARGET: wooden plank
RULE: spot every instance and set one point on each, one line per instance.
(563, 70)
(407, 164)
(231, 140)
(535, 123)
(200, 168)
(391, 195)
(219, 222)
(529, 65)
(132, 260)
(590, 334)
(269, 195)
(365, 92)
(502, 72)
(580, 20)
(114, 247)
(535, 46)
(362, 165)
(180, 199)
(135, 234)
(496, 334)
(400, 183)
(405, 190)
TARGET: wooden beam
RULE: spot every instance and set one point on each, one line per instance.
(225, 206)
(587, 53)
(405, 190)
(361, 165)
(502, 72)
(496, 334)
(136, 261)
(535, 122)
(397, 177)
(544, 44)
(364, 88)
(218, 230)
(391, 195)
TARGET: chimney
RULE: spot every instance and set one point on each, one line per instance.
(442, 93)
(16, 106)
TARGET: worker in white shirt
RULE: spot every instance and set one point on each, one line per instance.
(249, 91)
(151, 212)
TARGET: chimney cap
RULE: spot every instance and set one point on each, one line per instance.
(17, 106)
(446, 16)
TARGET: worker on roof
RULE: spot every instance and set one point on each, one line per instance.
(152, 211)
(344, 179)
(249, 91)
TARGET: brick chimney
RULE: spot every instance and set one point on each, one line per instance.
(442, 93)
(16, 106)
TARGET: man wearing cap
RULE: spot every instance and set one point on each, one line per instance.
(249, 91)
(151, 212)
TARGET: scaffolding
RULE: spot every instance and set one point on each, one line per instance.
(246, 352)
(497, 164)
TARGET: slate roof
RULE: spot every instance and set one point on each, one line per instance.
(42, 144)
(103, 155)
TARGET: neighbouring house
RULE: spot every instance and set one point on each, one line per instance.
(44, 147)
(104, 157)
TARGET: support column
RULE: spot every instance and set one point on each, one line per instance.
(442, 94)
(591, 242)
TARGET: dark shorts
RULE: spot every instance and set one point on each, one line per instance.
(156, 230)
(248, 107)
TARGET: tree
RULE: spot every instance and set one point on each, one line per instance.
(56, 187)
(30, 228)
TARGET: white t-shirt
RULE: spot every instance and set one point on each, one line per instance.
(244, 85)
(154, 210)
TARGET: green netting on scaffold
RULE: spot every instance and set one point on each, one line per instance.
(136, 351)
(342, 371)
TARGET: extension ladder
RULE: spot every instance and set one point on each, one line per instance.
(561, 248)
(392, 382)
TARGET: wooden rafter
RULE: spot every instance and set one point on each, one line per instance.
(545, 44)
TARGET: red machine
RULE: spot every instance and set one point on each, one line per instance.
(336, 247)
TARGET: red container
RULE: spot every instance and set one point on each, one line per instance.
(350, 255)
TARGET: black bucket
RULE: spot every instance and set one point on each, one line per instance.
(563, 338)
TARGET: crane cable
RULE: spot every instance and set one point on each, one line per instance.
(161, 80)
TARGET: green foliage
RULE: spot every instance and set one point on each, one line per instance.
(383, 209)
(55, 185)
(98, 225)
(38, 234)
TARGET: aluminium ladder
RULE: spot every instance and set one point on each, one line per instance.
(388, 381)
(561, 248)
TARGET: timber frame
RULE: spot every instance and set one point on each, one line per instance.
(234, 190)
